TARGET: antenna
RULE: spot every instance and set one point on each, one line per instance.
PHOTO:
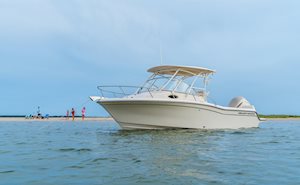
(160, 51)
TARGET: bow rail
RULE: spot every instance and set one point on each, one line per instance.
(120, 91)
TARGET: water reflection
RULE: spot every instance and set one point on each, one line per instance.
(181, 153)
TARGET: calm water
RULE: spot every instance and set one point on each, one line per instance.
(100, 153)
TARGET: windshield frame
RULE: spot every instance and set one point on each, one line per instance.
(153, 84)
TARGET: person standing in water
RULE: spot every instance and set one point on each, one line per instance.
(73, 114)
(39, 115)
(67, 116)
(83, 113)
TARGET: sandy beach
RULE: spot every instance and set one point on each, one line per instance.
(7, 119)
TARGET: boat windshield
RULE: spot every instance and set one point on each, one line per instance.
(177, 85)
(181, 84)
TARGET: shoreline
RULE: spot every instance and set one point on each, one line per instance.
(23, 119)
(282, 119)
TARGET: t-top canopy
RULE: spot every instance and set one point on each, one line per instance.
(182, 70)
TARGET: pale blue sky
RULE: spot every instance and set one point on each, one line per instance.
(54, 53)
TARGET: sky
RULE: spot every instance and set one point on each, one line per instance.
(54, 53)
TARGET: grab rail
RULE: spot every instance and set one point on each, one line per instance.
(121, 90)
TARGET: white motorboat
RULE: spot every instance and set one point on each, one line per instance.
(174, 97)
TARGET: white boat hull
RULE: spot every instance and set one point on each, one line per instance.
(158, 114)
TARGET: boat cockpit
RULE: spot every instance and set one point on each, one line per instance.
(178, 82)
(168, 82)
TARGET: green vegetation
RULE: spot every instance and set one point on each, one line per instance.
(279, 116)
(12, 116)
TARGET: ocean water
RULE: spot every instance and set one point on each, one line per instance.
(36, 153)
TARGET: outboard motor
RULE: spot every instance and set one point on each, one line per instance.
(240, 102)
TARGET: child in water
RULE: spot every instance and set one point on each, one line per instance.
(67, 116)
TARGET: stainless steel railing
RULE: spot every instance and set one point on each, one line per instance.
(119, 91)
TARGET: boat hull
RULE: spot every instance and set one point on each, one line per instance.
(142, 114)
